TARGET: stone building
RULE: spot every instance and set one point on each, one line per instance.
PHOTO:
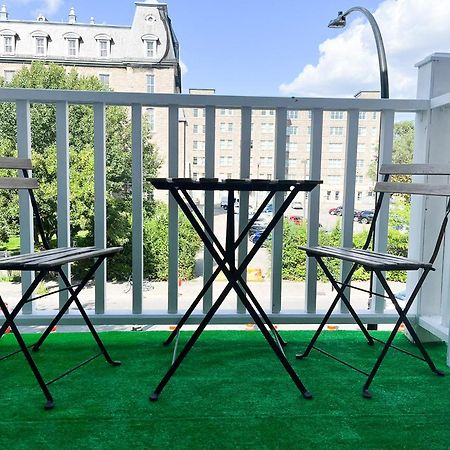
(143, 57)
(298, 146)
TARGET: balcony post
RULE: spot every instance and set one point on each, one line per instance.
(432, 135)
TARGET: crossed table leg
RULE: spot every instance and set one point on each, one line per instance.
(234, 275)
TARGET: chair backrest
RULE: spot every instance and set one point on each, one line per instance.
(435, 189)
(22, 181)
(414, 188)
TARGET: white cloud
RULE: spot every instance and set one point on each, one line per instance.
(183, 67)
(348, 63)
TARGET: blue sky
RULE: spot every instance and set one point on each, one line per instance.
(281, 47)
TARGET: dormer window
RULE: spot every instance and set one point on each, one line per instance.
(8, 42)
(40, 46)
(104, 45)
(73, 44)
(40, 43)
(150, 45)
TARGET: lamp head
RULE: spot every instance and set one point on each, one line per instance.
(339, 22)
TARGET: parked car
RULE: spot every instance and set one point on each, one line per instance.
(296, 205)
(337, 211)
(224, 202)
(296, 219)
(365, 216)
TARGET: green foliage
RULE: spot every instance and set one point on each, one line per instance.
(403, 146)
(156, 245)
(294, 258)
(81, 155)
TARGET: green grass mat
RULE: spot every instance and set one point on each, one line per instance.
(230, 392)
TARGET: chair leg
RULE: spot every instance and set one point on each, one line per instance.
(339, 296)
(50, 403)
(402, 318)
(74, 298)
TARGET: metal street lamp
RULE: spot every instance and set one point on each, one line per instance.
(340, 22)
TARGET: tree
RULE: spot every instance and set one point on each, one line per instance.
(402, 147)
(81, 153)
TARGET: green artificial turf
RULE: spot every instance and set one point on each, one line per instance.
(230, 392)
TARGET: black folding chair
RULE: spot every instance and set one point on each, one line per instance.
(380, 262)
(44, 262)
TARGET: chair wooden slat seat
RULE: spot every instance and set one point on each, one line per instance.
(368, 259)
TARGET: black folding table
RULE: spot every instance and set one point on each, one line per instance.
(180, 188)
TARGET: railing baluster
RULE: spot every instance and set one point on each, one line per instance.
(100, 201)
(315, 161)
(246, 141)
(25, 211)
(210, 152)
(277, 234)
(381, 228)
(349, 191)
(172, 306)
(63, 183)
(137, 187)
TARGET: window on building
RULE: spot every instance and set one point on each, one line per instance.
(72, 47)
(370, 194)
(226, 127)
(226, 112)
(374, 115)
(359, 195)
(8, 45)
(362, 131)
(8, 75)
(198, 112)
(336, 131)
(267, 145)
(41, 43)
(198, 145)
(226, 144)
(361, 148)
(362, 115)
(226, 161)
(198, 160)
(335, 163)
(291, 131)
(292, 162)
(292, 114)
(150, 48)
(359, 163)
(336, 115)
(103, 45)
(328, 195)
(334, 179)
(337, 195)
(104, 79)
(266, 161)
(292, 147)
(310, 114)
(374, 131)
(267, 127)
(359, 179)
(150, 84)
(335, 147)
(267, 112)
(151, 118)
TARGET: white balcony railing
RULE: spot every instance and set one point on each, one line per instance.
(174, 103)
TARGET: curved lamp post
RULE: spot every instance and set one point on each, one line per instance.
(340, 22)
